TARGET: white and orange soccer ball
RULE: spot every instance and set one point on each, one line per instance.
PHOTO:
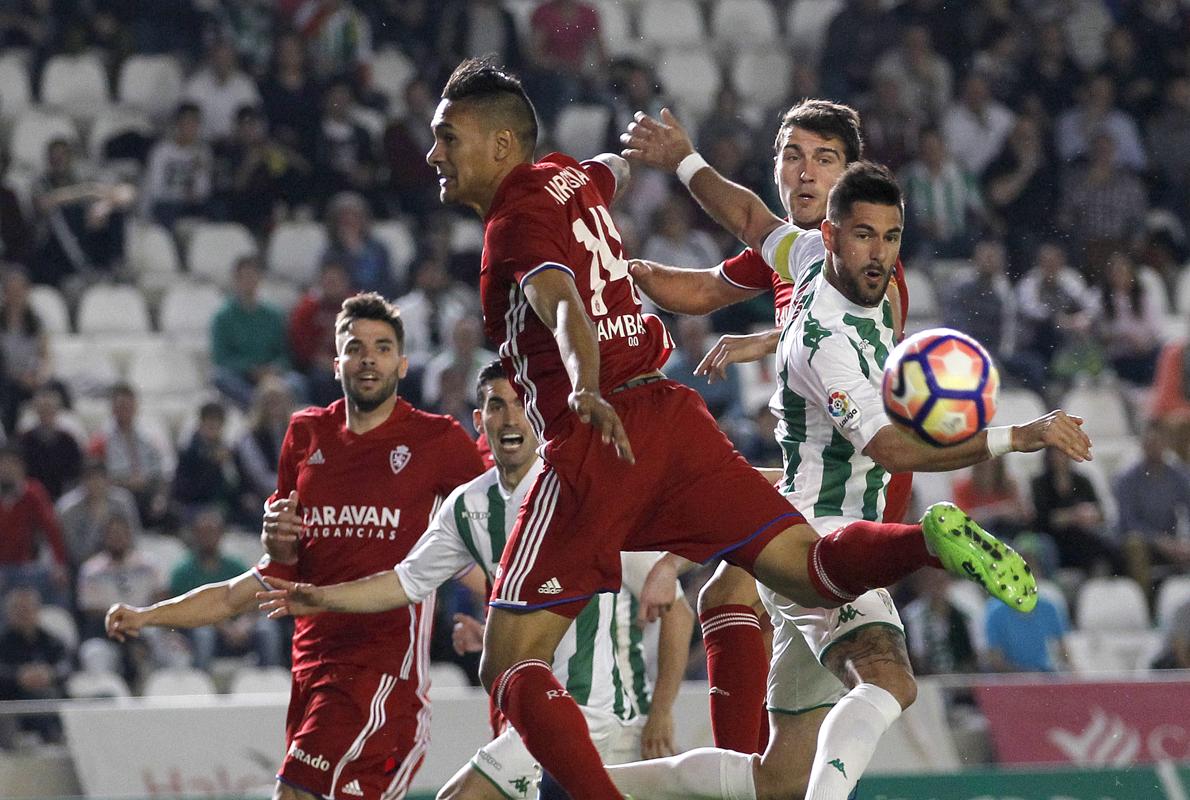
(941, 385)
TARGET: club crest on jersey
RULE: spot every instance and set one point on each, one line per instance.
(399, 457)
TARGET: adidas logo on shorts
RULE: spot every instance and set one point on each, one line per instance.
(353, 788)
(550, 587)
(316, 459)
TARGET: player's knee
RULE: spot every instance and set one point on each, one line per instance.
(901, 684)
(490, 668)
(732, 586)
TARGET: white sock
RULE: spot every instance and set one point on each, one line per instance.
(847, 740)
(701, 774)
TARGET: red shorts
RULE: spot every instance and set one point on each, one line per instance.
(354, 732)
(689, 492)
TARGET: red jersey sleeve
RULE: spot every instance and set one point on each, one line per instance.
(605, 179)
(459, 458)
(747, 270)
(903, 287)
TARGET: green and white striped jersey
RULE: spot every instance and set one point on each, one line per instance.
(830, 363)
(471, 527)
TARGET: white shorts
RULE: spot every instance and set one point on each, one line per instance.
(507, 763)
(798, 682)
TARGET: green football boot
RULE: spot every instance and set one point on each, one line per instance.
(967, 550)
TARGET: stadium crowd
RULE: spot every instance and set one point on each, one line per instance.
(191, 189)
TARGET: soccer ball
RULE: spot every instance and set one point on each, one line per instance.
(941, 385)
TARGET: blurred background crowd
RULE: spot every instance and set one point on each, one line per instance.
(191, 188)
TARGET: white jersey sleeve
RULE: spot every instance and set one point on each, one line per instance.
(439, 554)
(838, 384)
(790, 251)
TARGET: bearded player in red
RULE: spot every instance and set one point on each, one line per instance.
(357, 484)
(633, 460)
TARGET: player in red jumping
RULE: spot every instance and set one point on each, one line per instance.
(557, 294)
(358, 482)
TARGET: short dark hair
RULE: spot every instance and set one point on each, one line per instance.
(480, 80)
(370, 305)
(122, 388)
(827, 119)
(492, 371)
(186, 108)
(212, 409)
(863, 182)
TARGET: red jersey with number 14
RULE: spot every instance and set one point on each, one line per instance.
(554, 215)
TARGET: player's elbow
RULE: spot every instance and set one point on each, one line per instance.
(890, 453)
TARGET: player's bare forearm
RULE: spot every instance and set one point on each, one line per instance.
(737, 208)
(673, 651)
(555, 300)
(736, 349)
(205, 605)
(381, 591)
(686, 290)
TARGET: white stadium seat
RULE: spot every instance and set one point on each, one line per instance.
(395, 235)
(187, 309)
(34, 130)
(165, 552)
(806, 24)
(582, 130)
(923, 303)
(75, 85)
(91, 685)
(112, 309)
(391, 72)
(672, 23)
(86, 368)
(1173, 594)
(59, 623)
(153, 255)
(260, 680)
(466, 234)
(765, 73)
(615, 23)
(214, 248)
(744, 24)
(50, 307)
(15, 88)
(445, 675)
(279, 294)
(178, 681)
(157, 368)
(295, 251)
(1110, 417)
(1112, 651)
(692, 77)
(151, 83)
(1111, 604)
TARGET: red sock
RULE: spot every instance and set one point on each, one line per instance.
(737, 671)
(864, 556)
(553, 729)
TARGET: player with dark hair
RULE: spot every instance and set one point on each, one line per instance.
(357, 483)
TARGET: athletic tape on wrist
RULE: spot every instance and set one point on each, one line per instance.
(999, 440)
(690, 165)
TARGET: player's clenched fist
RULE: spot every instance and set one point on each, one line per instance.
(123, 621)
(281, 529)
(659, 143)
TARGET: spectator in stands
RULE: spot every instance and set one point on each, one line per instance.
(83, 510)
(1103, 203)
(942, 202)
(856, 39)
(478, 27)
(674, 241)
(455, 397)
(250, 27)
(1033, 642)
(466, 355)
(566, 54)
(350, 241)
(1057, 305)
(343, 155)
(1051, 74)
(339, 40)
(1069, 510)
(1153, 495)
(263, 180)
(1000, 60)
(926, 79)
(27, 520)
(1130, 321)
(412, 182)
(248, 338)
(691, 340)
(16, 235)
(259, 449)
(977, 126)
(1097, 112)
(891, 126)
(992, 498)
(1135, 77)
(1175, 654)
(936, 631)
(208, 475)
(136, 459)
(52, 454)
(1020, 189)
(312, 330)
(219, 88)
(24, 348)
(1169, 145)
(180, 172)
(431, 310)
(245, 634)
(120, 572)
(288, 94)
(34, 664)
(985, 306)
(80, 219)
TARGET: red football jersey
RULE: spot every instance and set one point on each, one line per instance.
(554, 215)
(365, 500)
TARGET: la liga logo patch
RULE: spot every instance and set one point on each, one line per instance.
(838, 404)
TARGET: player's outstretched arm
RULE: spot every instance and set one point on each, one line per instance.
(736, 349)
(898, 451)
(673, 651)
(205, 605)
(555, 299)
(658, 592)
(686, 290)
(664, 144)
(381, 591)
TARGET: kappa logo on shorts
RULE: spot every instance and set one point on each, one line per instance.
(550, 587)
(353, 788)
(399, 457)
